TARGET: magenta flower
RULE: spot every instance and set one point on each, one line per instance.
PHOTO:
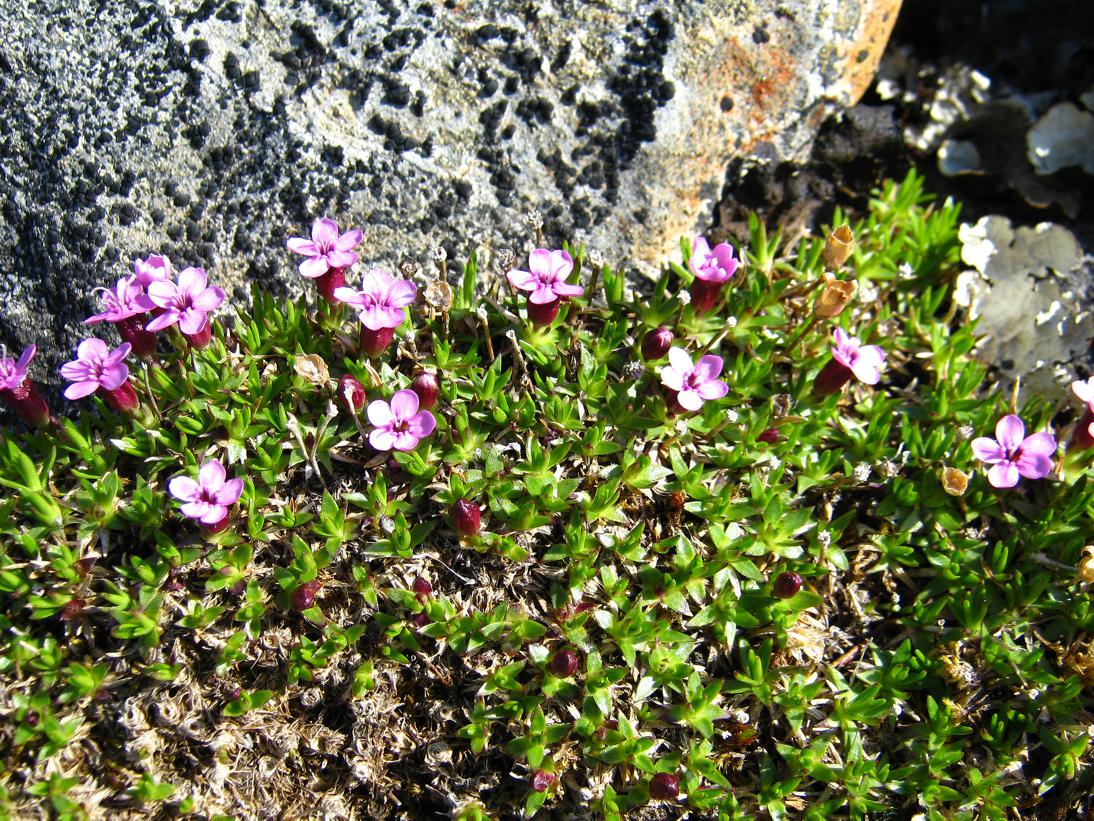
(18, 390)
(864, 361)
(399, 425)
(326, 249)
(693, 384)
(546, 277)
(715, 265)
(207, 499)
(153, 268)
(95, 366)
(1011, 453)
(127, 299)
(380, 302)
(188, 303)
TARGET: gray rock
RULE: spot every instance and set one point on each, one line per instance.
(211, 130)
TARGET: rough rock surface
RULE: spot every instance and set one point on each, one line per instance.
(213, 129)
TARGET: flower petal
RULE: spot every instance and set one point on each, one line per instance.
(1033, 465)
(79, 390)
(404, 404)
(523, 280)
(229, 492)
(92, 350)
(988, 450)
(402, 292)
(313, 267)
(404, 440)
(350, 296)
(211, 476)
(299, 245)
(715, 389)
(1039, 443)
(539, 263)
(1009, 432)
(422, 424)
(118, 354)
(163, 293)
(707, 368)
(341, 259)
(379, 414)
(681, 361)
(566, 289)
(382, 439)
(114, 376)
(198, 509)
(192, 321)
(76, 371)
(184, 488)
(324, 232)
(1084, 390)
(167, 318)
(210, 299)
(349, 240)
(193, 281)
(1005, 474)
(543, 295)
(25, 357)
(562, 264)
(671, 378)
(690, 399)
(214, 514)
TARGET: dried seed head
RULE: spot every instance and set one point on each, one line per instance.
(838, 247)
(684, 297)
(534, 219)
(312, 368)
(563, 663)
(132, 716)
(781, 405)
(633, 370)
(282, 742)
(167, 712)
(466, 518)
(833, 298)
(787, 584)
(665, 787)
(439, 253)
(861, 472)
(408, 268)
(595, 258)
(506, 260)
(438, 295)
(965, 432)
(438, 754)
(657, 342)
(311, 698)
(954, 481)
(1086, 566)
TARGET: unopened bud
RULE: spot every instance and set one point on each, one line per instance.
(304, 596)
(657, 342)
(352, 393)
(563, 664)
(427, 387)
(787, 584)
(665, 787)
(466, 518)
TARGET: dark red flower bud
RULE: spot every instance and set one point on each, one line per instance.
(832, 377)
(466, 518)
(326, 283)
(665, 787)
(657, 342)
(304, 596)
(420, 619)
(374, 343)
(1082, 437)
(132, 330)
(770, 436)
(122, 399)
(563, 663)
(787, 584)
(542, 780)
(72, 609)
(31, 718)
(542, 314)
(422, 587)
(202, 337)
(28, 403)
(427, 387)
(704, 294)
(349, 389)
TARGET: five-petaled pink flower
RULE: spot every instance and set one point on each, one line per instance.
(546, 277)
(127, 299)
(399, 424)
(326, 249)
(189, 302)
(153, 268)
(18, 389)
(380, 302)
(1011, 453)
(13, 372)
(95, 366)
(715, 264)
(693, 384)
(208, 498)
(864, 361)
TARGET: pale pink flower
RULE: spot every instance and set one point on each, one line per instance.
(696, 383)
(714, 265)
(13, 372)
(1011, 453)
(189, 302)
(864, 361)
(127, 299)
(380, 302)
(95, 366)
(399, 424)
(208, 498)
(546, 277)
(1085, 391)
(153, 268)
(326, 249)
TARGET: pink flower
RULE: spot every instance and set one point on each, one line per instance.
(546, 277)
(715, 265)
(399, 425)
(1085, 391)
(864, 361)
(153, 268)
(126, 300)
(380, 301)
(1012, 453)
(188, 303)
(696, 383)
(326, 249)
(95, 366)
(12, 372)
(208, 498)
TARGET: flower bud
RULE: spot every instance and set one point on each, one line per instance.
(769, 436)
(427, 387)
(542, 314)
(542, 780)
(665, 787)
(466, 517)
(351, 392)
(834, 296)
(563, 663)
(422, 587)
(72, 609)
(304, 596)
(657, 342)
(954, 481)
(787, 584)
(420, 619)
(838, 247)
(374, 343)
